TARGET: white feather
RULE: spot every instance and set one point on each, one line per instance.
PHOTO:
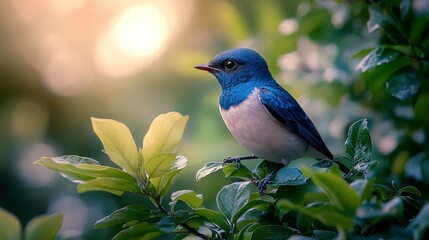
(263, 135)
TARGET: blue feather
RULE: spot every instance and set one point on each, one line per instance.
(282, 106)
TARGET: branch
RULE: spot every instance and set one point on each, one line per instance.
(184, 225)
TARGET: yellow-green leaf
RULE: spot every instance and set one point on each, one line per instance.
(325, 213)
(189, 197)
(43, 227)
(81, 172)
(160, 164)
(113, 185)
(162, 137)
(91, 177)
(162, 183)
(336, 189)
(118, 143)
(10, 227)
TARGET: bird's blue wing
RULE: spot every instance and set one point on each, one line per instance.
(282, 106)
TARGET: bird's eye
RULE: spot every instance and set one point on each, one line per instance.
(230, 65)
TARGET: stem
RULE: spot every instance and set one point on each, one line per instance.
(157, 200)
(184, 225)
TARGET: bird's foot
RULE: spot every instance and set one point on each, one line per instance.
(263, 183)
(236, 160)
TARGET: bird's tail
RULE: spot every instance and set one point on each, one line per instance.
(343, 167)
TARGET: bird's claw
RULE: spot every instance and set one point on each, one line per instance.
(236, 160)
(263, 183)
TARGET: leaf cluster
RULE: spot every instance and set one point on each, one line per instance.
(300, 203)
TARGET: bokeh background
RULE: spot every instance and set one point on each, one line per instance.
(64, 61)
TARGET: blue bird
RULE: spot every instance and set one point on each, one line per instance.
(260, 114)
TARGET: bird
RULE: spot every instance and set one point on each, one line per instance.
(260, 114)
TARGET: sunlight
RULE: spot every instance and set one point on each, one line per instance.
(140, 31)
(133, 39)
(66, 6)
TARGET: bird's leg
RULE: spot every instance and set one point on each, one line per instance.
(237, 160)
(263, 183)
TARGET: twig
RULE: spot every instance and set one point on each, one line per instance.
(184, 225)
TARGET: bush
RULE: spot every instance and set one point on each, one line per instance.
(313, 203)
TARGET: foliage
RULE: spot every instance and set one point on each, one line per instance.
(323, 202)
(399, 66)
(39, 228)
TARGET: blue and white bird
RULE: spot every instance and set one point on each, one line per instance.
(259, 113)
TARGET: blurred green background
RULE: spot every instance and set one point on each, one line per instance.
(64, 61)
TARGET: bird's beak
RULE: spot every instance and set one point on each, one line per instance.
(206, 67)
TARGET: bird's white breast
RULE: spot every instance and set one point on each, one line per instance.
(253, 126)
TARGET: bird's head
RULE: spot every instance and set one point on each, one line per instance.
(237, 66)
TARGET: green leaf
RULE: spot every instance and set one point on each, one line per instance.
(124, 215)
(271, 232)
(337, 190)
(160, 143)
(243, 172)
(10, 227)
(420, 224)
(43, 227)
(377, 57)
(138, 231)
(404, 86)
(420, 111)
(363, 188)
(162, 183)
(362, 53)
(288, 176)
(377, 76)
(361, 169)
(231, 198)
(323, 163)
(247, 231)
(208, 169)
(358, 143)
(76, 160)
(160, 164)
(324, 234)
(116, 186)
(266, 167)
(303, 194)
(375, 213)
(248, 206)
(91, 177)
(304, 223)
(118, 143)
(81, 172)
(382, 17)
(189, 197)
(377, 17)
(326, 214)
(214, 217)
(410, 190)
(418, 32)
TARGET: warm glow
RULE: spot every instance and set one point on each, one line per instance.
(66, 6)
(133, 39)
(140, 30)
(65, 74)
